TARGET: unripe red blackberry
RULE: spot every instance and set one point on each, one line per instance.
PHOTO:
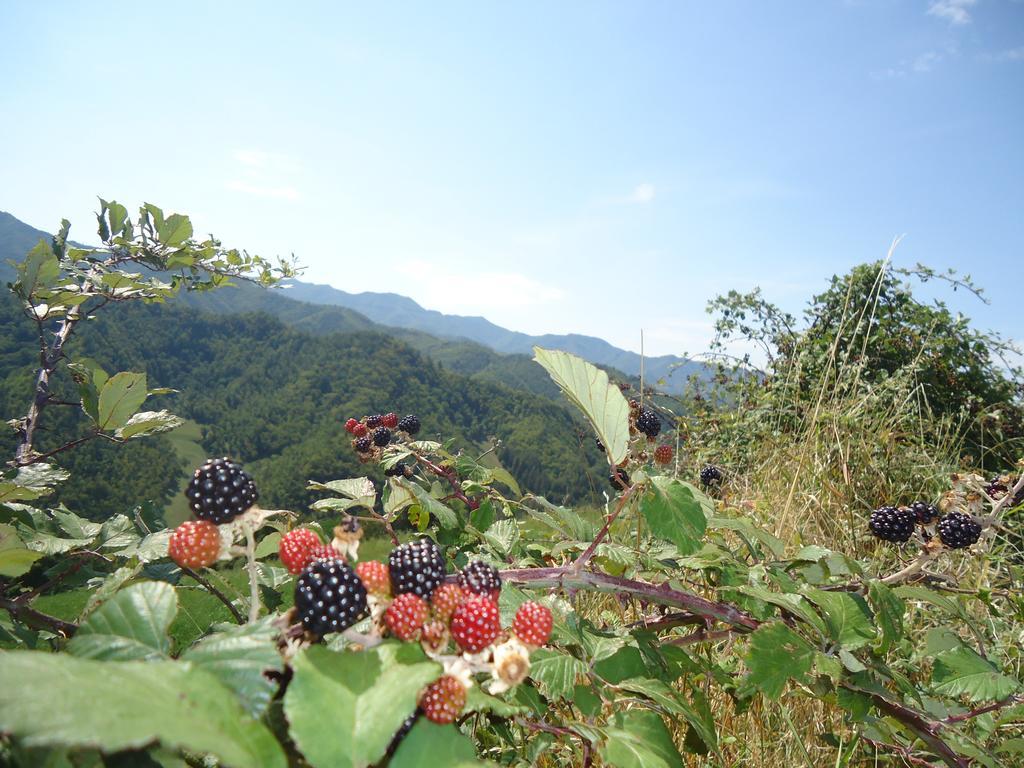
(297, 548)
(892, 524)
(443, 700)
(647, 421)
(329, 597)
(389, 420)
(409, 424)
(381, 436)
(663, 454)
(194, 544)
(220, 490)
(532, 624)
(416, 567)
(375, 577)
(475, 624)
(924, 512)
(359, 430)
(446, 599)
(405, 616)
(957, 530)
(480, 578)
(350, 425)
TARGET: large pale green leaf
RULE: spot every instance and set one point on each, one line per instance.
(589, 389)
(360, 490)
(39, 269)
(673, 702)
(777, 654)
(58, 700)
(640, 740)
(238, 656)
(673, 513)
(964, 672)
(147, 423)
(175, 230)
(120, 398)
(30, 482)
(131, 625)
(359, 698)
(429, 745)
(848, 617)
(15, 558)
(555, 672)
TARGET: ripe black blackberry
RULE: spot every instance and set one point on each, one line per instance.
(599, 444)
(220, 490)
(372, 422)
(958, 530)
(710, 475)
(619, 479)
(329, 597)
(998, 487)
(416, 567)
(480, 578)
(381, 436)
(409, 424)
(363, 444)
(647, 421)
(892, 524)
(925, 513)
(398, 470)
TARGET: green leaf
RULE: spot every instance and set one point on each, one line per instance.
(360, 699)
(444, 515)
(429, 745)
(30, 482)
(962, 672)
(239, 656)
(58, 700)
(640, 740)
(175, 230)
(148, 423)
(795, 604)
(555, 672)
(39, 269)
(673, 513)
(847, 616)
(589, 389)
(131, 625)
(670, 700)
(120, 398)
(109, 587)
(777, 654)
(478, 701)
(889, 611)
(359, 489)
(15, 558)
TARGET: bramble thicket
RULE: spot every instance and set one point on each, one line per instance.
(817, 563)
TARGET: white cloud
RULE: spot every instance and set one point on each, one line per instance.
(454, 292)
(256, 190)
(925, 62)
(642, 193)
(1011, 54)
(953, 11)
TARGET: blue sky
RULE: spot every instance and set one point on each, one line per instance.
(584, 167)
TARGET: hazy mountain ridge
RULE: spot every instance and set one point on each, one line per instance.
(396, 310)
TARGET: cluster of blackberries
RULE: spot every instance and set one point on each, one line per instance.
(376, 431)
(219, 491)
(897, 524)
(643, 420)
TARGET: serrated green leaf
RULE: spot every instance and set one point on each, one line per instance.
(846, 615)
(120, 398)
(175, 230)
(360, 699)
(673, 513)
(795, 604)
(444, 515)
(109, 587)
(58, 700)
(478, 701)
(588, 388)
(889, 611)
(555, 672)
(359, 489)
(777, 654)
(239, 656)
(39, 269)
(130, 626)
(147, 423)
(962, 672)
(640, 740)
(673, 703)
